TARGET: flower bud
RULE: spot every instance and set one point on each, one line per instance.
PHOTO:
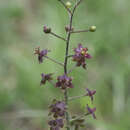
(68, 4)
(46, 29)
(92, 29)
(67, 28)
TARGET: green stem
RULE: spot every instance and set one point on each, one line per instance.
(61, 64)
(57, 36)
(76, 97)
(65, 6)
(79, 31)
(65, 69)
(79, 117)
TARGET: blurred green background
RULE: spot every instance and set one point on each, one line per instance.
(23, 102)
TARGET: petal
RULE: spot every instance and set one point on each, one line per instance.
(94, 109)
(88, 56)
(42, 75)
(93, 92)
(71, 86)
(40, 59)
(60, 105)
(43, 52)
(61, 124)
(50, 122)
(42, 82)
(58, 84)
(84, 65)
(88, 90)
(57, 128)
(89, 109)
(80, 46)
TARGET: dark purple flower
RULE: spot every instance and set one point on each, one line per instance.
(41, 54)
(90, 93)
(91, 111)
(64, 82)
(46, 29)
(81, 54)
(56, 124)
(58, 109)
(45, 77)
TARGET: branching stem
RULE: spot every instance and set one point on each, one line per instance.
(65, 6)
(69, 56)
(79, 31)
(57, 36)
(65, 69)
(66, 58)
(61, 64)
(76, 5)
(79, 117)
(76, 97)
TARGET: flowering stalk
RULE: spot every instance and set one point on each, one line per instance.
(66, 59)
(58, 110)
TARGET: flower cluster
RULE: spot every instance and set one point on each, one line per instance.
(64, 82)
(57, 109)
(56, 124)
(81, 54)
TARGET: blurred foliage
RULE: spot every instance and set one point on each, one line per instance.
(108, 72)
